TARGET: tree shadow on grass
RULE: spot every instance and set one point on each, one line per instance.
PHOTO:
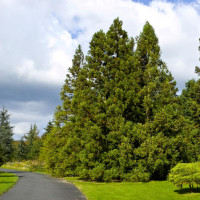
(187, 190)
(6, 182)
(7, 175)
(18, 172)
(13, 171)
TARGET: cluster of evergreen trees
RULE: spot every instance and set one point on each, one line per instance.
(120, 116)
(28, 147)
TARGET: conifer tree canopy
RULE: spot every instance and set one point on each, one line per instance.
(120, 116)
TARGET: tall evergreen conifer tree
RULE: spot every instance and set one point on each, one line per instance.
(119, 117)
(157, 86)
(108, 69)
(33, 142)
(190, 99)
(21, 150)
(190, 102)
(61, 146)
(159, 110)
(6, 133)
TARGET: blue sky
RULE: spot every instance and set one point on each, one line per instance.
(146, 2)
(38, 40)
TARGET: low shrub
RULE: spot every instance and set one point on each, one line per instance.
(111, 174)
(138, 174)
(82, 173)
(185, 173)
(96, 174)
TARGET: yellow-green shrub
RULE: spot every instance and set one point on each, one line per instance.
(185, 173)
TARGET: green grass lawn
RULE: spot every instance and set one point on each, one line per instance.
(7, 180)
(153, 190)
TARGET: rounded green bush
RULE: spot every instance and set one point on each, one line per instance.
(185, 173)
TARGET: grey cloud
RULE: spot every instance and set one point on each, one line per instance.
(29, 92)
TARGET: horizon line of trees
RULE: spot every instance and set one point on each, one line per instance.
(27, 148)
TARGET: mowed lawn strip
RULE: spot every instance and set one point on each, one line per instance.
(153, 190)
(7, 180)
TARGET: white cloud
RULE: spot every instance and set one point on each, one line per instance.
(47, 33)
(30, 41)
(176, 25)
(38, 40)
(27, 113)
(20, 129)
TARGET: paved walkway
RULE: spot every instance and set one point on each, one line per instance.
(34, 186)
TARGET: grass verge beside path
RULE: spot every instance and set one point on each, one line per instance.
(153, 190)
(29, 165)
(7, 180)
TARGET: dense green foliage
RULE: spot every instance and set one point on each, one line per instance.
(190, 99)
(6, 133)
(21, 150)
(120, 116)
(185, 173)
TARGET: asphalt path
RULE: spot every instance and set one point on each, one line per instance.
(35, 186)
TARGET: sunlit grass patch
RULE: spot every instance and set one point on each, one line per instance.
(153, 190)
(17, 165)
(7, 180)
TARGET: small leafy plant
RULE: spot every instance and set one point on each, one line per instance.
(185, 173)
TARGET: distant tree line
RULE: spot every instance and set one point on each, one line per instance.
(27, 148)
(121, 117)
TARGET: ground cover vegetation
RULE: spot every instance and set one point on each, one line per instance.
(26, 165)
(153, 190)
(7, 180)
(120, 117)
